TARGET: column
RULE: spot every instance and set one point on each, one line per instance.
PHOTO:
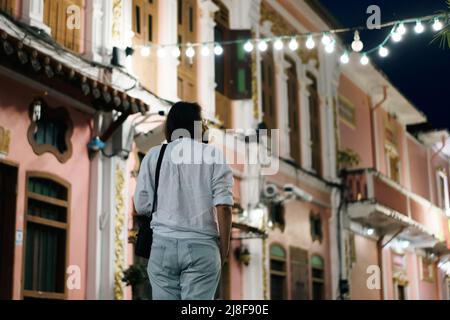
(167, 66)
(94, 31)
(205, 64)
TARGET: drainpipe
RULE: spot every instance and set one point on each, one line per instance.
(372, 127)
(375, 166)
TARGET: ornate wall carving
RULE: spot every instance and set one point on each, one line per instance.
(119, 247)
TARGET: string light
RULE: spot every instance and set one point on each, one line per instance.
(161, 53)
(176, 52)
(396, 37)
(205, 51)
(329, 48)
(248, 46)
(310, 44)
(383, 52)
(357, 44)
(145, 51)
(326, 39)
(293, 44)
(218, 50)
(278, 44)
(401, 30)
(190, 52)
(437, 24)
(262, 46)
(419, 28)
(364, 60)
(345, 58)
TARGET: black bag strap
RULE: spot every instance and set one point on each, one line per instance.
(158, 169)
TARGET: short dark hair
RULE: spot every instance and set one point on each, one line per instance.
(182, 115)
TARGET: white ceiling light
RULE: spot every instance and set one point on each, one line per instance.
(326, 39)
(145, 51)
(218, 50)
(419, 28)
(437, 24)
(205, 51)
(190, 52)
(262, 46)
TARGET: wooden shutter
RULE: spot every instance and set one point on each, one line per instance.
(314, 118)
(187, 32)
(299, 274)
(268, 90)
(8, 6)
(55, 16)
(239, 85)
(294, 111)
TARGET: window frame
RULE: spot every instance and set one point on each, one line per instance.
(60, 225)
(284, 273)
(444, 204)
(60, 114)
(318, 280)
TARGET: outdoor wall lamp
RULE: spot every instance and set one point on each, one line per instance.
(242, 255)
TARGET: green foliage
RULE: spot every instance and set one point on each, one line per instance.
(444, 35)
(348, 158)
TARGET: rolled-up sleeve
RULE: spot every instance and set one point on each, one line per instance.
(143, 196)
(222, 184)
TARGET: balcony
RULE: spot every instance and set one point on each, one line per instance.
(378, 202)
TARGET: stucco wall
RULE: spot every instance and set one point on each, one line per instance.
(14, 102)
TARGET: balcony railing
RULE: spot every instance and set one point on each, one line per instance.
(384, 195)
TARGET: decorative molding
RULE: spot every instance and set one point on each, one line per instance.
(117, 20)
(119, 253)
(5, 140)
(58, 115)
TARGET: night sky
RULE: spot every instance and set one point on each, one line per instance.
(419, 69)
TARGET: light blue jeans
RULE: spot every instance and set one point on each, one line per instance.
(185, 269)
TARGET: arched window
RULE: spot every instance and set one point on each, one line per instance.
(318, 277)
(314, 125)
(46, 227)
(278, 272)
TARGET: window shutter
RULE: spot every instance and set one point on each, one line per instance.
(294, 112)
(299, 274)
(240, 64)
(268, 90)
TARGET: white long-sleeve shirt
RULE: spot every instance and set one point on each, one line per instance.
(194, 178)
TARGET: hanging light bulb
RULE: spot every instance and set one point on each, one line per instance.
(401, 30)
(364, 60)
(190, 52)
(326, 39)
(218, 50)
(248, 46)
(437, 24)
(310, 44)
(278, 44)
(396, 37)
(161, 53)
(262, 46)
(357, 44)
(176, 52)
(293, 44)
(145, 51)
(419, 28)
(205, 51)
(345, 58)
(383, 52)
(329, 48)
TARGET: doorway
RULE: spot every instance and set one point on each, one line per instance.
(8, 192)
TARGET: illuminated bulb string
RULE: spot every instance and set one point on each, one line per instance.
(309, 40)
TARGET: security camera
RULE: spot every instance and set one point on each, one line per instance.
(290, 189)
(270, 191)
